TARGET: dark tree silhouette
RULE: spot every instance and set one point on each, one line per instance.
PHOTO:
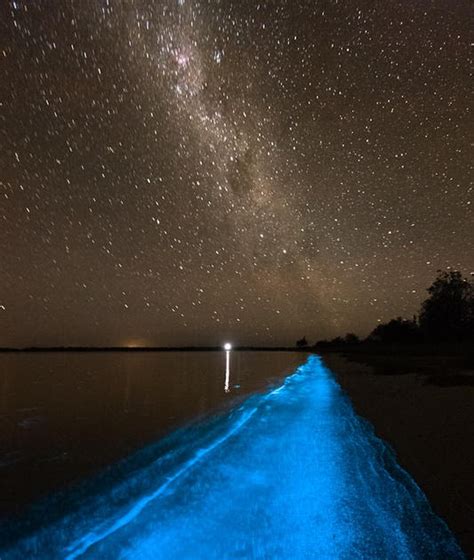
(446, 316)
(396, 331)
(337, 341)
(448, 313)
(351, 338)
(302, 342)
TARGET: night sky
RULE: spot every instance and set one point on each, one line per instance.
(185, 172)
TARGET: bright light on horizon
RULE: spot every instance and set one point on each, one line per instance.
(227, 346)
(134, 343)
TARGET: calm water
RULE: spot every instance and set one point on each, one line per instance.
(289, 473)
(63, 415)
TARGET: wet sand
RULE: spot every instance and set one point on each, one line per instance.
(425, 412)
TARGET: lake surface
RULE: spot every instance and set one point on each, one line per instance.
(291, 472)
(63, 415)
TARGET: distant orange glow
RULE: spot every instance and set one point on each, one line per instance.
(135, 343)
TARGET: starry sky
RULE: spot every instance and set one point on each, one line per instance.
(190, 171)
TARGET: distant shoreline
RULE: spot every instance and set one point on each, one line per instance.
(155, 349)
(360, 348)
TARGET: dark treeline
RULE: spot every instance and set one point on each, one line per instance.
(446, 317)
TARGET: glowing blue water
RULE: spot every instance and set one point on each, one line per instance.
(293, 473)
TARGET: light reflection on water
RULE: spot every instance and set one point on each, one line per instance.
(227, 371)
(291, 473)
(63, 415)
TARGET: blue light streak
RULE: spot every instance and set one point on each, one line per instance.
(292, 473)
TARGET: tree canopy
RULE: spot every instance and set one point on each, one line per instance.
(448, 313)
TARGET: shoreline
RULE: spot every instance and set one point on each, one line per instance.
(426, 417)
(307, 350)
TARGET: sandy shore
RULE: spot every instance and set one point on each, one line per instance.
(429, 423)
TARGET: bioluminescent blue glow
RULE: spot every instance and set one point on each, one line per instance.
(290, 474)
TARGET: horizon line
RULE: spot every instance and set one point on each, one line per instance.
(142, 348)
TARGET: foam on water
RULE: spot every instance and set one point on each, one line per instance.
(292, 473)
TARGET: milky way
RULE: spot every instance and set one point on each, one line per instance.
(185, 172)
